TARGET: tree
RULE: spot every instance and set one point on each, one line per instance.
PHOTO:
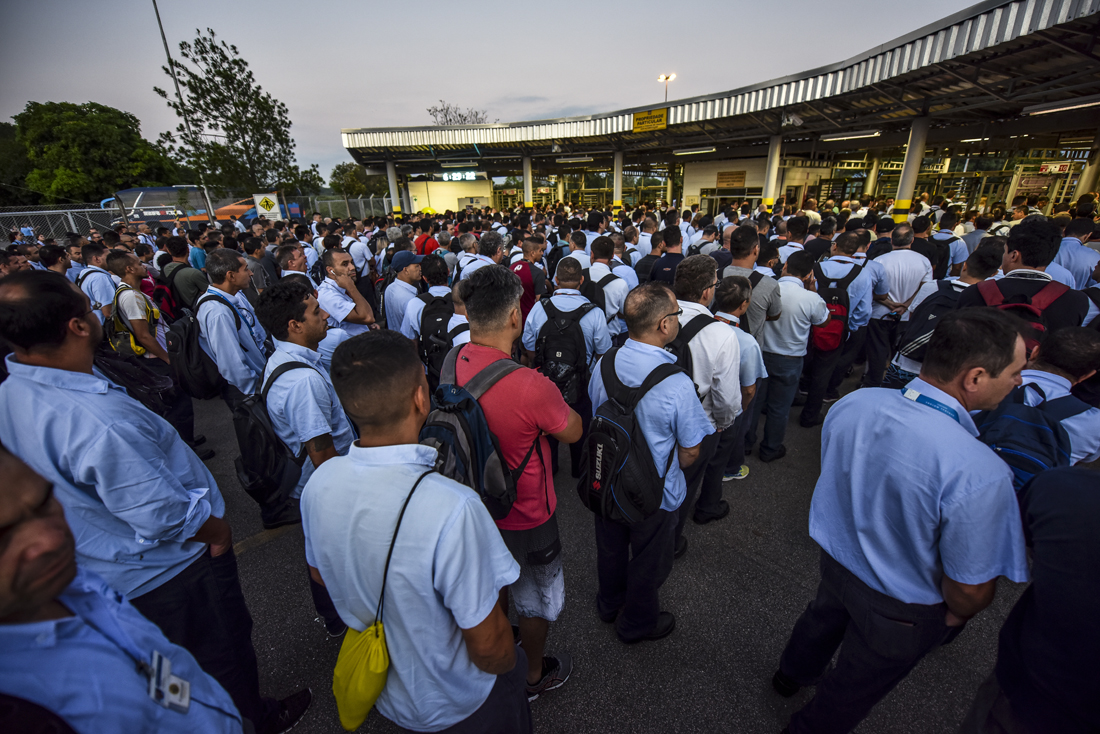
(448, 114)
(14, 167)
(240, 134)
(85, 152)
(348, 180)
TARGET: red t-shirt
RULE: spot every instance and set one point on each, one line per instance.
(519, 409)
(426, 244)
(527, 300)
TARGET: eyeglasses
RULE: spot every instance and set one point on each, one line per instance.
(677, 314)
(712, 285)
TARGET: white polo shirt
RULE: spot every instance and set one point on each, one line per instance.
(788, 335)
(715, 364)
(905, 272)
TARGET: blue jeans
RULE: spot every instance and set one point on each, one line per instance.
(774, 398)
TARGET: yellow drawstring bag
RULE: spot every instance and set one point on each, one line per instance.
(364, 661)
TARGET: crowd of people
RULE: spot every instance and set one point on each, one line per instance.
(402, 388)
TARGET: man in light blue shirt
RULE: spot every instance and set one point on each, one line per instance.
(229, 331)
(96, 282)
(597, 341)
(404, 288)
(71, 644)
(453, 660)
(434, 271)
(915, 531)
(674, 425)
(619, 265)
(144, 510)
(1075, 256)
(959, 249)
(577, 244)
(338, 295)
(490, 251)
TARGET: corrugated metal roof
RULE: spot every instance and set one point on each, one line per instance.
(975, 29)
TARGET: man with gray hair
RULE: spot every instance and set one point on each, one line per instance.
(228, 329)
(490, 251)
(467, 244)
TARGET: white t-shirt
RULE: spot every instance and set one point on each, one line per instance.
(905, 272)
(131, 307)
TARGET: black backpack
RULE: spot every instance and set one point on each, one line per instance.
(619, 480)
(317, 272)
(192, 367)
(164, 296)
(942, 265)
(923, 320)
(435, 339)
(1029, 438)
(560, 351)
(679, 345)
(170, 281)
(593, 290)
(553, 257)
(830, 335)
(266, 469)
(154, 391)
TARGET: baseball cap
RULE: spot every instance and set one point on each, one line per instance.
(403, 259)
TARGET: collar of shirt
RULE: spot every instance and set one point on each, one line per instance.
(485, 259)
(792, 279)
(636, 346)
(1053, 386)
(1028, 274)
(598, 270)
(334, 285)
(845, 259)
(300, 353)
(691, 310)
(98, 269)
(388, 455)
(795, 245)
(728, 318)
(53, 377)
(933, 392)
(439, 290)
(566, 292)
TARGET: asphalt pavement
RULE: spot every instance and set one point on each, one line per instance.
(736, 595)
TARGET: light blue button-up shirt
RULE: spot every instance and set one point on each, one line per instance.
(327, 347)
(860, 291)
(396, 299)
(1083, 428)
(336, 302)
(472, 266)
(752, 359)
(132, 490)
(597, 339)
(670, 414)
(99, 286)
(303, 405)
(74, 271)
(449, 564)
(238, 352)
(84, 668)
(907, 494)
(959, 249)
(1079, 260)
(410, 327)
(626, 272)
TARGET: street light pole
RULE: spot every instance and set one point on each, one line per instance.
(666, 78)
(183, 109)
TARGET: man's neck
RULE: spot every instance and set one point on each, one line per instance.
(951, 388)
(601, 262)
(747, 263)
(678, 250)
(653, 339)
(225, 288)
(501, 339)
(182, 260)
(301, 342)
(133, 281)
(1015, 268)
(68, 359)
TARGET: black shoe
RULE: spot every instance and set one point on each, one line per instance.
(287, 513)
(812, 422)
(704, 519)
(198, 441)
(785, 685)
(681, 547)
(606, 618)
(666, 622)
(289, 713)
(832, 397)
(203, 454)
(748, 451)
(772, 457)
(800, 398)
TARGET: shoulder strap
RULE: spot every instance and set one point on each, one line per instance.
(553, 312)
(450, 362)
(990, 293)
(1065, 407)
(219, 299)
(852, 275)
(393, 542)
(1093, 294)
(1050, 293)
(277, 373)
(606, 279)
(658, 375)
(690, 330)
(755, 277)
(425, 297)
(491, 375)
(171, 277)
(458, 330)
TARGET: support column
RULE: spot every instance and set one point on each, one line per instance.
(395, 195)
(668, 190)
(1086, 182)
(528, 199)
(1017, 173)
(771, 173)
(617, 183)
(872, 177)
(914, 155)
(408, 195)
(561, 187)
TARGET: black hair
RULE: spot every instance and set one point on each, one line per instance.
(646, 305)
(673, 236)
(37, 308)
(732, 291)
(1037, 241)
(51, 255)
(694, 275)
(742, 240)
(280, 304)
(1079, 228)
(434, 270)
(490, 295)
(91, 251)
(884, 225)
(984, 262)
(603, 248)
(1074, 350)
(374, 374)
(800, 264)
(221, 262)
(797, 227)
(969, 338)
(572, 272)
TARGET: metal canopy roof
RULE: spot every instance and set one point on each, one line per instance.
(973, 73)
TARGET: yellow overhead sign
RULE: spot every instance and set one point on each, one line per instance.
(645, 122)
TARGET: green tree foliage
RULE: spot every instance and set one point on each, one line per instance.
(240, 134)
(84, 152)
(14, 167)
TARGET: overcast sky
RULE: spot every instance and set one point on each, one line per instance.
(339, 63)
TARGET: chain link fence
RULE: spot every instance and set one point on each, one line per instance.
(55, 223)
(364, 206)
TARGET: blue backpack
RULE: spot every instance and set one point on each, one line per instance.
(1029, 438)
(469, 453)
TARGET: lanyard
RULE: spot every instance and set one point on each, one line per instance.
(916, 397)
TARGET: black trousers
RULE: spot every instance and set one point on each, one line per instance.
(322, 602)
(632, 561)
(881, 337)
(849, 355)
(583, 406)
(203, 610)
(181, 413)
(710, 490)
(505, 711)
(817, 371)
(694, 475)
(880, 639)
(737, 433)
